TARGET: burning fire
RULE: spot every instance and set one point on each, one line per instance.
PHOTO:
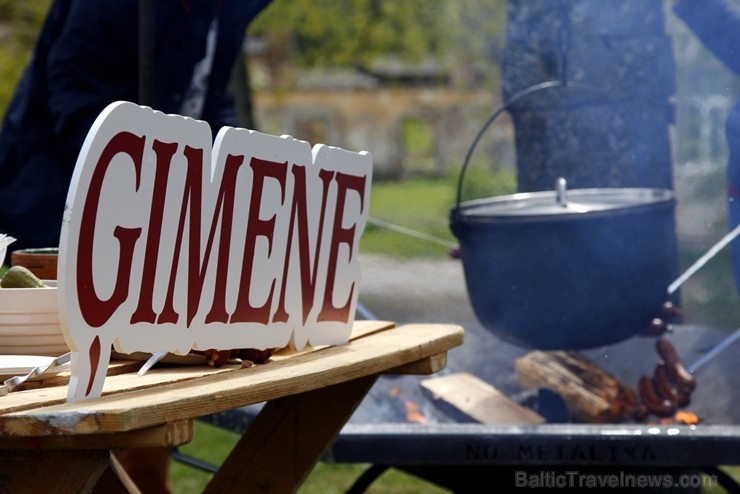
(683, 417)
(686, 417)
(413, 414)
(412, 409)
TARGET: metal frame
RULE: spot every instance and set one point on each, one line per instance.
(453, 455)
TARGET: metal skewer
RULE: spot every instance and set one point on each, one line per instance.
(156, 357)
(719, 347)
(13, 382)
(699, 263)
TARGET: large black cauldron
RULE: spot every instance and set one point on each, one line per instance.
(568, 269)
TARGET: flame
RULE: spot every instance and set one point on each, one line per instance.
(683, 417)
(413, 414)
(686, 417)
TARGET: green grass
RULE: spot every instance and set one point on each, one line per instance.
(732, 471)
(423, 206)
(420, 205)
(212, 444)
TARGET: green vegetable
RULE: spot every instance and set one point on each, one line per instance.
(20, 277)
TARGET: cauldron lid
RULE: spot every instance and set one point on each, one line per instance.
(556, 203)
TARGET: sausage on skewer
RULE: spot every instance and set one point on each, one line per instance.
(681, 376)
(657, 405)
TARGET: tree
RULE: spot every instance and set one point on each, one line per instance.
(461, 35)
(320, 33)
(19, 26)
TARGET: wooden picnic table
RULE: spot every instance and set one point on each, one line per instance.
(49, 445)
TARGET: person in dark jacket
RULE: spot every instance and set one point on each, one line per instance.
(716, 23)
(87, 56)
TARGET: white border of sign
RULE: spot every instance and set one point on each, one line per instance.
(171, 241)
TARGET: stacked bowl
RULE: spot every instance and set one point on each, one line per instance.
(29, 318)
(29, 322)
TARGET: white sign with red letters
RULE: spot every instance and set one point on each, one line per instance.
(174, 241)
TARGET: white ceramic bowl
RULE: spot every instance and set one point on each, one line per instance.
(29, 322)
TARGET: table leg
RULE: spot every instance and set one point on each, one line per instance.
(115, 480)
(287, 438)
(75, 470)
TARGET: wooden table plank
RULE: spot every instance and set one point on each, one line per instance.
(423, 367)
(215, 392)
(164, 435)
(127, 379)
(54, 389)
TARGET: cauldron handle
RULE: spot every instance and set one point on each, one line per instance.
(505, 106)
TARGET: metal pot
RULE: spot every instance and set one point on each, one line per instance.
(568, 269)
